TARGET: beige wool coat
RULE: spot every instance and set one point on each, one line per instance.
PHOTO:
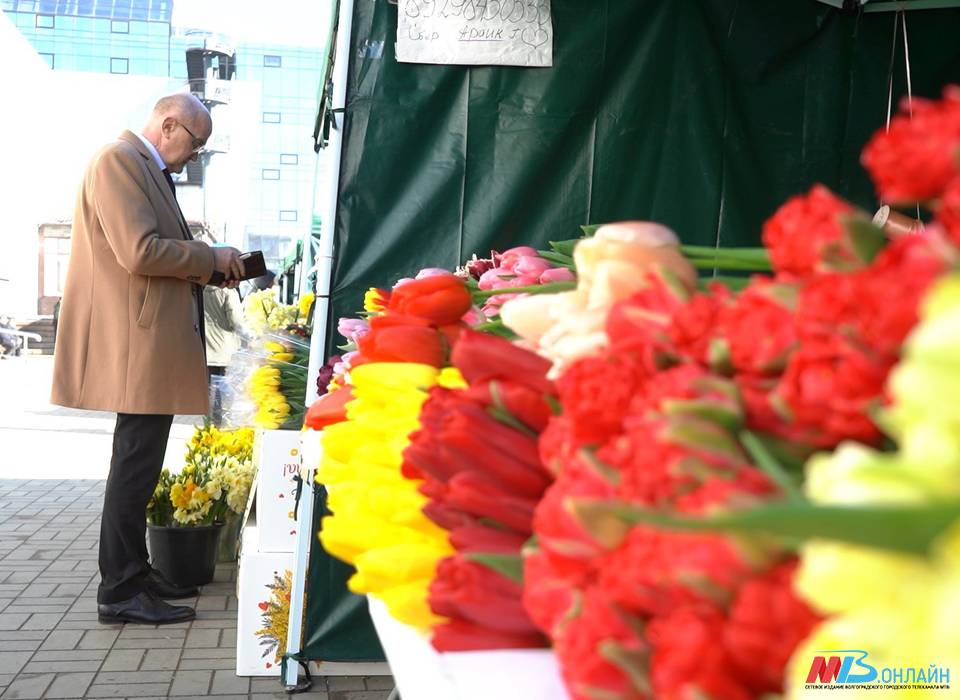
(129, 338)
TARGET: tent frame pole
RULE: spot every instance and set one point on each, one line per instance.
(318, 339)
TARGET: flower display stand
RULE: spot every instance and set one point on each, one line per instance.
(276, 454)
(422, 673)
(257, 571)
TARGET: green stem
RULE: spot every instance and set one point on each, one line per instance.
(716, 263)
(551, 288)
(759, 255)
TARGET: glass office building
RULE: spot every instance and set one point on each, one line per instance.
(139, 38)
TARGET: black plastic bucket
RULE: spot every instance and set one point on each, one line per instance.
(186, 556)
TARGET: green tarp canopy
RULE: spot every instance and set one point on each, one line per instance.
(701, 114)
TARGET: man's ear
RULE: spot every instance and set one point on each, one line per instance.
(167, 126)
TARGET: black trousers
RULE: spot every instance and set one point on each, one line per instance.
(139, 444)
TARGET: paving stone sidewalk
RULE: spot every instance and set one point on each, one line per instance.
(51, 645)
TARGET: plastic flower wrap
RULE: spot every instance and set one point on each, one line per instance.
(278, 386)
(377, 522)
(900, 606)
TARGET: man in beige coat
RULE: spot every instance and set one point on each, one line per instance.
(130, 336)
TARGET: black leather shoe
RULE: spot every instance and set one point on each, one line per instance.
(146, 609)
(162, 588)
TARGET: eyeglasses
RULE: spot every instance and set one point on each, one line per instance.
(197, 144)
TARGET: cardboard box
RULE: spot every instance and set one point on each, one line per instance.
(276, 454)
(257, 571)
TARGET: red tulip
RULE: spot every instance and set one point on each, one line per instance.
(481, 538)
(440, 299)
(482, 357)
(396, 338)
(468, 590)
(518, 400)
(457, 435)
(478, 495)
(328, 409)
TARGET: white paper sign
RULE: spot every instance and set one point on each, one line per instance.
(475, 32)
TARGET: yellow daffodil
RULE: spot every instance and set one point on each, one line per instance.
(306, 301)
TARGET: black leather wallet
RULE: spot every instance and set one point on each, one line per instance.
(253, 266)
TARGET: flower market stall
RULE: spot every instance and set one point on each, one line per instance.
(639, 460)
(685, 487)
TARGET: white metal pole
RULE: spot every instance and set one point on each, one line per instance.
(300, 564)
(318, 340)
(341, 65)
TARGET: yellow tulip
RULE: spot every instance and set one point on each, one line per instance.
(377, 522)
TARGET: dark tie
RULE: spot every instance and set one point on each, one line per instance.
(173, 188)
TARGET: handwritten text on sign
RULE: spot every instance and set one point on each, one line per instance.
(475, 32)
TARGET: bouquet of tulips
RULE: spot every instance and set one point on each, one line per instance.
(278, 385)
(723, 477)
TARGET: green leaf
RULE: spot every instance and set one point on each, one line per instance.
(565, 247)
(590, 229)
(703, 436)
(556, 408)
(499, 412)
(557, 259)
(608, 473)
(771, 467)
(509, 565)
(909, 528)
(867, 240)
(496, 327)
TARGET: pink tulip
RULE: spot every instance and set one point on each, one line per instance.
(556, 274)
(490, 276)
(509, 257)
(530, 265)
(352, 328)
(523, 281)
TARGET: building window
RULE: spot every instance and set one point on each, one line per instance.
(289, 159)
(44, 21)
(119, 65)
(119, 26)
(288, 215)
(271, 61)
(48, 57)
(270, 174)
(271, 117)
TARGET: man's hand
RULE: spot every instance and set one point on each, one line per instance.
(227, 260)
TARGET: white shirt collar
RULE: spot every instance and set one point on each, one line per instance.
(153, 151)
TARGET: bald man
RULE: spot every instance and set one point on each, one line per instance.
(130, 335)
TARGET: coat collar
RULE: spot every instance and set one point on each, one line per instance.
(158, 177)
